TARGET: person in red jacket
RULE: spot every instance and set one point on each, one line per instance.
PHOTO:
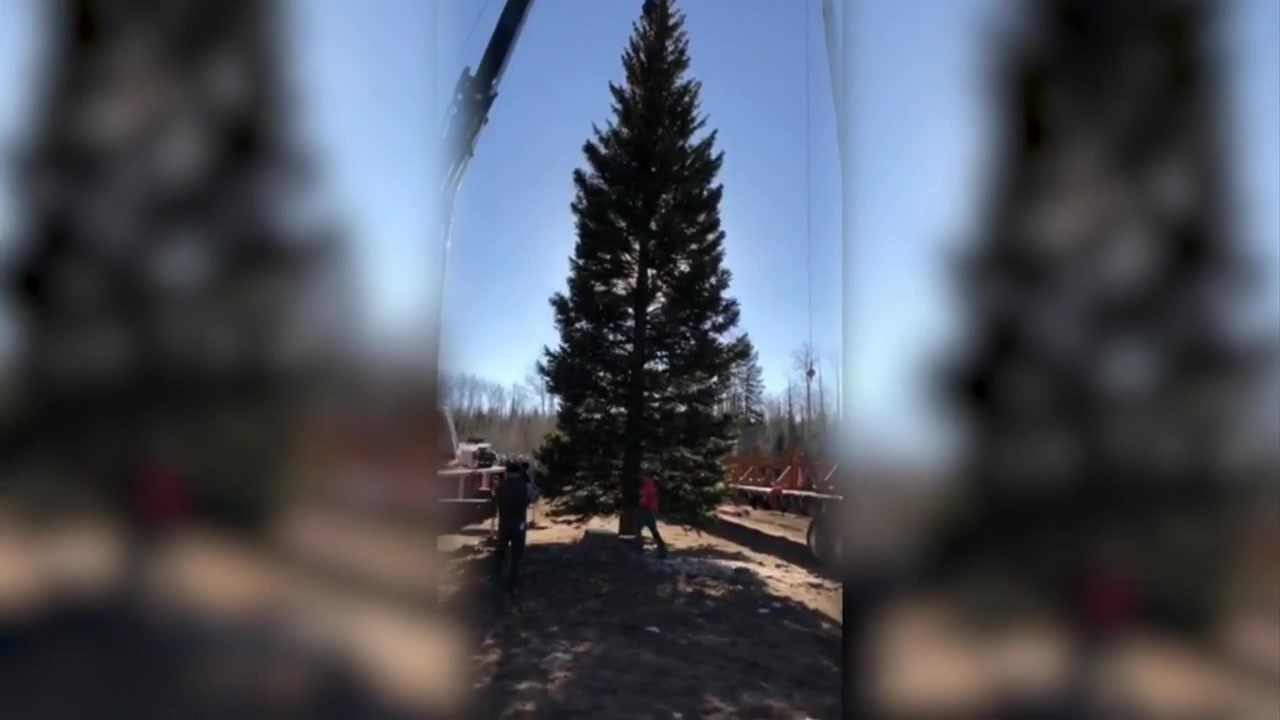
(160, 497)
(158, 506)
(775, 496)
(649, 512)
(1108, 608)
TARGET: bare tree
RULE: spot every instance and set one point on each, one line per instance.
(519, 400)
(822, 397)
(803, 361)
(497, 397)
(466, 393)
(833, 359)
(505, 415)
(537, 386)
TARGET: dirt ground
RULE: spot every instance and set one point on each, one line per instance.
(343, 613)
(793, 527)
(715, 631)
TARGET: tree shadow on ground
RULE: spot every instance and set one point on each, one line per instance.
(710, 552)
(464, 550)
(412, 596)
(105, 661)
(765, 543)
(603, 633)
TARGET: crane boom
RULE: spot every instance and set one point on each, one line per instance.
(474, 94)
(473, 97)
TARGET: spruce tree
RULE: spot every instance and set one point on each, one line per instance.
(1099, 381)
(163, 261)
(647, 330)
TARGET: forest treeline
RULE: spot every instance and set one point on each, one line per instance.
(517, 417)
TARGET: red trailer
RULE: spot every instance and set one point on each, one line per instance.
(794, 484)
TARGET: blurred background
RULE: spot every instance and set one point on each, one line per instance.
(1025, 309)
(1065, 288)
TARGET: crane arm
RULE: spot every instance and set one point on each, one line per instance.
(474, 94)
(473, 97)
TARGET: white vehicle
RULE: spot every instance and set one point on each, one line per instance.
(459, 482)
(470, 452)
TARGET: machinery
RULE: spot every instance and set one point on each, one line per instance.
(468, 478)
(476, 453)
(797, 485)
(473, 98)
(460, 482)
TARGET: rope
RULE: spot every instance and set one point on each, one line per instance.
(471, 33)
(808, 218)
(808, 170)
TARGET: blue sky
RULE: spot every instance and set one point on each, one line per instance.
(514, 234)
(367, 104)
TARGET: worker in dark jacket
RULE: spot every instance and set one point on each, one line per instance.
(512, 500)
(531, 480)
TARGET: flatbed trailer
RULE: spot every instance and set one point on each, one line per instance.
(765, 490)
(794, 485)
(790, 483)
(463, 494)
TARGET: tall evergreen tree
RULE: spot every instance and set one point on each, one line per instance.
(647, 346)
(1100, 378)
(164, 258)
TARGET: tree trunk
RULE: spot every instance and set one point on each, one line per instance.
(633, 443)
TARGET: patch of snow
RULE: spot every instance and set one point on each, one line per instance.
(559, 658)
(718, 569)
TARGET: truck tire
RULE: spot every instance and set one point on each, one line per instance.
(824, 541)
(816, 539)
